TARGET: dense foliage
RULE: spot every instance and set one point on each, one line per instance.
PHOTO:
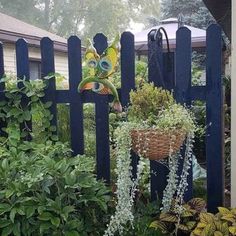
(194, 13)
(43, 189)
(78, 17)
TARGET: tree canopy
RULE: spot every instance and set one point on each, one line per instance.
(80, 17)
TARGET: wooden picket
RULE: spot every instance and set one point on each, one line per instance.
(214, 119)
(168, 70)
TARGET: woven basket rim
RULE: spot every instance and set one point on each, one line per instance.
(160, 131)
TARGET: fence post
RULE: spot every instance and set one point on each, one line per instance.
(48, 67)
(127, 55)
(76, 106)
(214, 120)
(2, 87)
(183, 83)
(22, 66)
(102, 122)
(155, 74)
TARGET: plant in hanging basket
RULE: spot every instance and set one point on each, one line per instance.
(156, 128)
(166, 123)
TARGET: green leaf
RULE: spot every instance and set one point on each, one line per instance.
(16, 229)
(191, 224)
(207, 231)
(182, 227)
(72, 233)
(70, 178)
(5, 164)
(21, 210)
(29, 211)
(7, 231)
(4, 223)
(27, 115)
(44, 227)
(197, 204)
(4, 207)
(218, 233)
(47, 104)
(232, 230)
(206, 218)
(45, 216)
(12, 214)
(66, 211)
(9, 193)
(168, 217)
(55, 221)
(159, 225)
(224, 210)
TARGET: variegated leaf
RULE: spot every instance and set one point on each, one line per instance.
(198, 204)
(206, 218)
(232, 230)
(168, 217)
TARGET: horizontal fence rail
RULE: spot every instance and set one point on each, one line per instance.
(171, 71)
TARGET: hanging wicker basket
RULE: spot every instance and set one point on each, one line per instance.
(154, 144)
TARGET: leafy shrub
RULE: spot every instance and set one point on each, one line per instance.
(43, 190)
(147, 102)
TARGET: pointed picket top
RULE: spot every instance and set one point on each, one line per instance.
(46, 40)
(74, 40)
(100, 42)
(184, 31)
(127, 34)
(74, 62)
(22, 59)
(21, 41)
(214, 27)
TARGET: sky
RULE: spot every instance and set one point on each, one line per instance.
(135, 27)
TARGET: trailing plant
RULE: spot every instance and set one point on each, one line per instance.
(43, 189)
(151, 108)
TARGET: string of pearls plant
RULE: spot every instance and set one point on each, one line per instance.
(153, 109)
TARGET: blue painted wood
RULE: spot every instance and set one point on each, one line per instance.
(22, 60)
(76, 105)
(22, 67)
(2, 87)
(47, 68)
(64, 96)
(169, 70)
(2, 72)
(155, 59)
(183, 66)
(155, 74)
(102, 123)
(183, 84)
(127, 55)
(198, 93)
(214, 119)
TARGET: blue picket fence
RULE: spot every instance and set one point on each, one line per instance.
(173, 72)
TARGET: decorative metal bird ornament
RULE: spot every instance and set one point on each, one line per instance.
(100, 68)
